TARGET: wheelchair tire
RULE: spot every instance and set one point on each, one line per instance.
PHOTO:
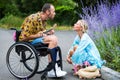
(19, 56)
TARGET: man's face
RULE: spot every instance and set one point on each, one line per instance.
(51, 12)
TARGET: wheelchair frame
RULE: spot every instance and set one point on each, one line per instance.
(28, 60)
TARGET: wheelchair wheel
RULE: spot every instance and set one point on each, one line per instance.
(20, 56)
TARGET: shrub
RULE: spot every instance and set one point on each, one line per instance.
(11, 21)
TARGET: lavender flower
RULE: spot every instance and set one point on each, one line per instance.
(103, 17)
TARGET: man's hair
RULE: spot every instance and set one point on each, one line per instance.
(46, 6)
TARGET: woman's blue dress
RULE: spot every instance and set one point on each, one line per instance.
(86, 51)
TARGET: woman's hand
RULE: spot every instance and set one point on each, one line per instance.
(69, 59)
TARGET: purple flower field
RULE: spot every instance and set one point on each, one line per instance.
(104, 17)
(104, 27)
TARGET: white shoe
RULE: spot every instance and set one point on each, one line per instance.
(59, 72)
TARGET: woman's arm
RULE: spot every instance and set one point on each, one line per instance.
(84, 42)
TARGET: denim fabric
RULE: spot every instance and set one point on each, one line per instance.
(37, 40)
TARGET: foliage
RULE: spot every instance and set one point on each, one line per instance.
(27, 7)
(11, 9)
(109, 47)
(64, 11)
(67, 15)
(3, 2)
(104, 21)
(11, 21)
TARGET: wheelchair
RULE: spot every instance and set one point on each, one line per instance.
(24, 60)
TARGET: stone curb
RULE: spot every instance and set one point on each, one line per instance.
(109, 74)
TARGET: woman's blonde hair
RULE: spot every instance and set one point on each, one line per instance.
(83, 24)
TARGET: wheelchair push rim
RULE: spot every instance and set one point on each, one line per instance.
(19, 56)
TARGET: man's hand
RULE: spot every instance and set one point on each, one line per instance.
(41, 34)
(51, 32)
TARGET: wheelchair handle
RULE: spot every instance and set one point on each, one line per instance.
(13, 29)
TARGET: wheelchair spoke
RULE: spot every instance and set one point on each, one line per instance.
(18, 57)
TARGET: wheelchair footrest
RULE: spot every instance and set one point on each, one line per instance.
(43, 77)
(50, 66)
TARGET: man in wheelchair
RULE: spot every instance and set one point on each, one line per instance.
(33, 29)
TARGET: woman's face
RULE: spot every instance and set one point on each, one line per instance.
(77, 26)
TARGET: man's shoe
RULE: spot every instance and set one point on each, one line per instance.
(59, 72)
